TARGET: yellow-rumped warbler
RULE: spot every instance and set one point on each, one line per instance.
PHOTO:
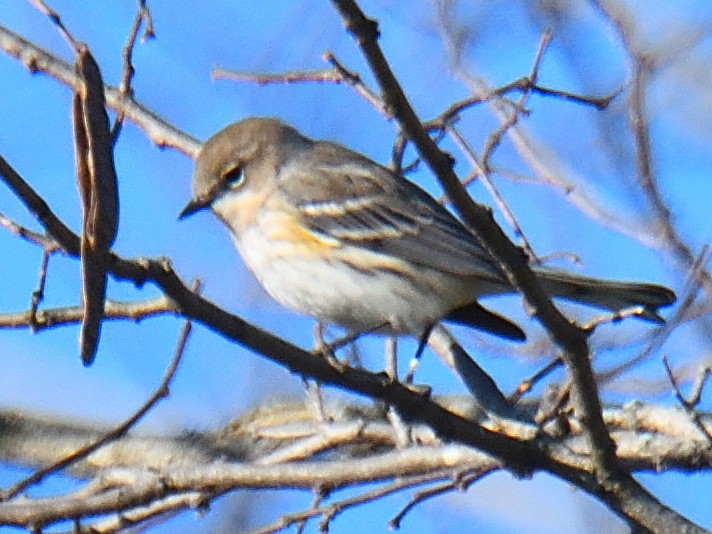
(332, 234)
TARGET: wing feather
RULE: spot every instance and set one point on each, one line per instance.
(343, 195)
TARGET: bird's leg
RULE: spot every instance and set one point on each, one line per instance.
(422, 342)
(401, 430)
(391, 364)
(314, 400)
(328, 350)
(325, 349)
(353, 336)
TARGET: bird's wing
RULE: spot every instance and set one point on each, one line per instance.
(347, 197)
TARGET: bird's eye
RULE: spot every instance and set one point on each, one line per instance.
(233, 177)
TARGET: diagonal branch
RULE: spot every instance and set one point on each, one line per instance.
(37, 59)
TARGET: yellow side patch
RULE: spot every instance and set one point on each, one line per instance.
(286, 233)
(287, 228)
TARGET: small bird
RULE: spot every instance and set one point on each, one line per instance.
(331, 234)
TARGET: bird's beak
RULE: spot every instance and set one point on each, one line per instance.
(195, 205)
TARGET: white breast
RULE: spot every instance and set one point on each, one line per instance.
(358, 299)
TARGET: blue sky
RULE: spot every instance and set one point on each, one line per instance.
(219, 380)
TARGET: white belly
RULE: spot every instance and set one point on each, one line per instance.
(357, 299)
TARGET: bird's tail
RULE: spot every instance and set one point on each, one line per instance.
(607, 294)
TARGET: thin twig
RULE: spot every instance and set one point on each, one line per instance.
(689, 405)
(398, 152)
(494, 139)
(525, 386)
(521, 85)
(38, 294)
(162, 507)
(338, 74)
(613, 317)
(43, 240)
(352, 79)
(53, 317)
(482, 172)
(699, 385)
(57, 21)
(143, 17)
(460, 482)
(292, 76)
(330, 510)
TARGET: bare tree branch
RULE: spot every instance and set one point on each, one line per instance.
(36, 59)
